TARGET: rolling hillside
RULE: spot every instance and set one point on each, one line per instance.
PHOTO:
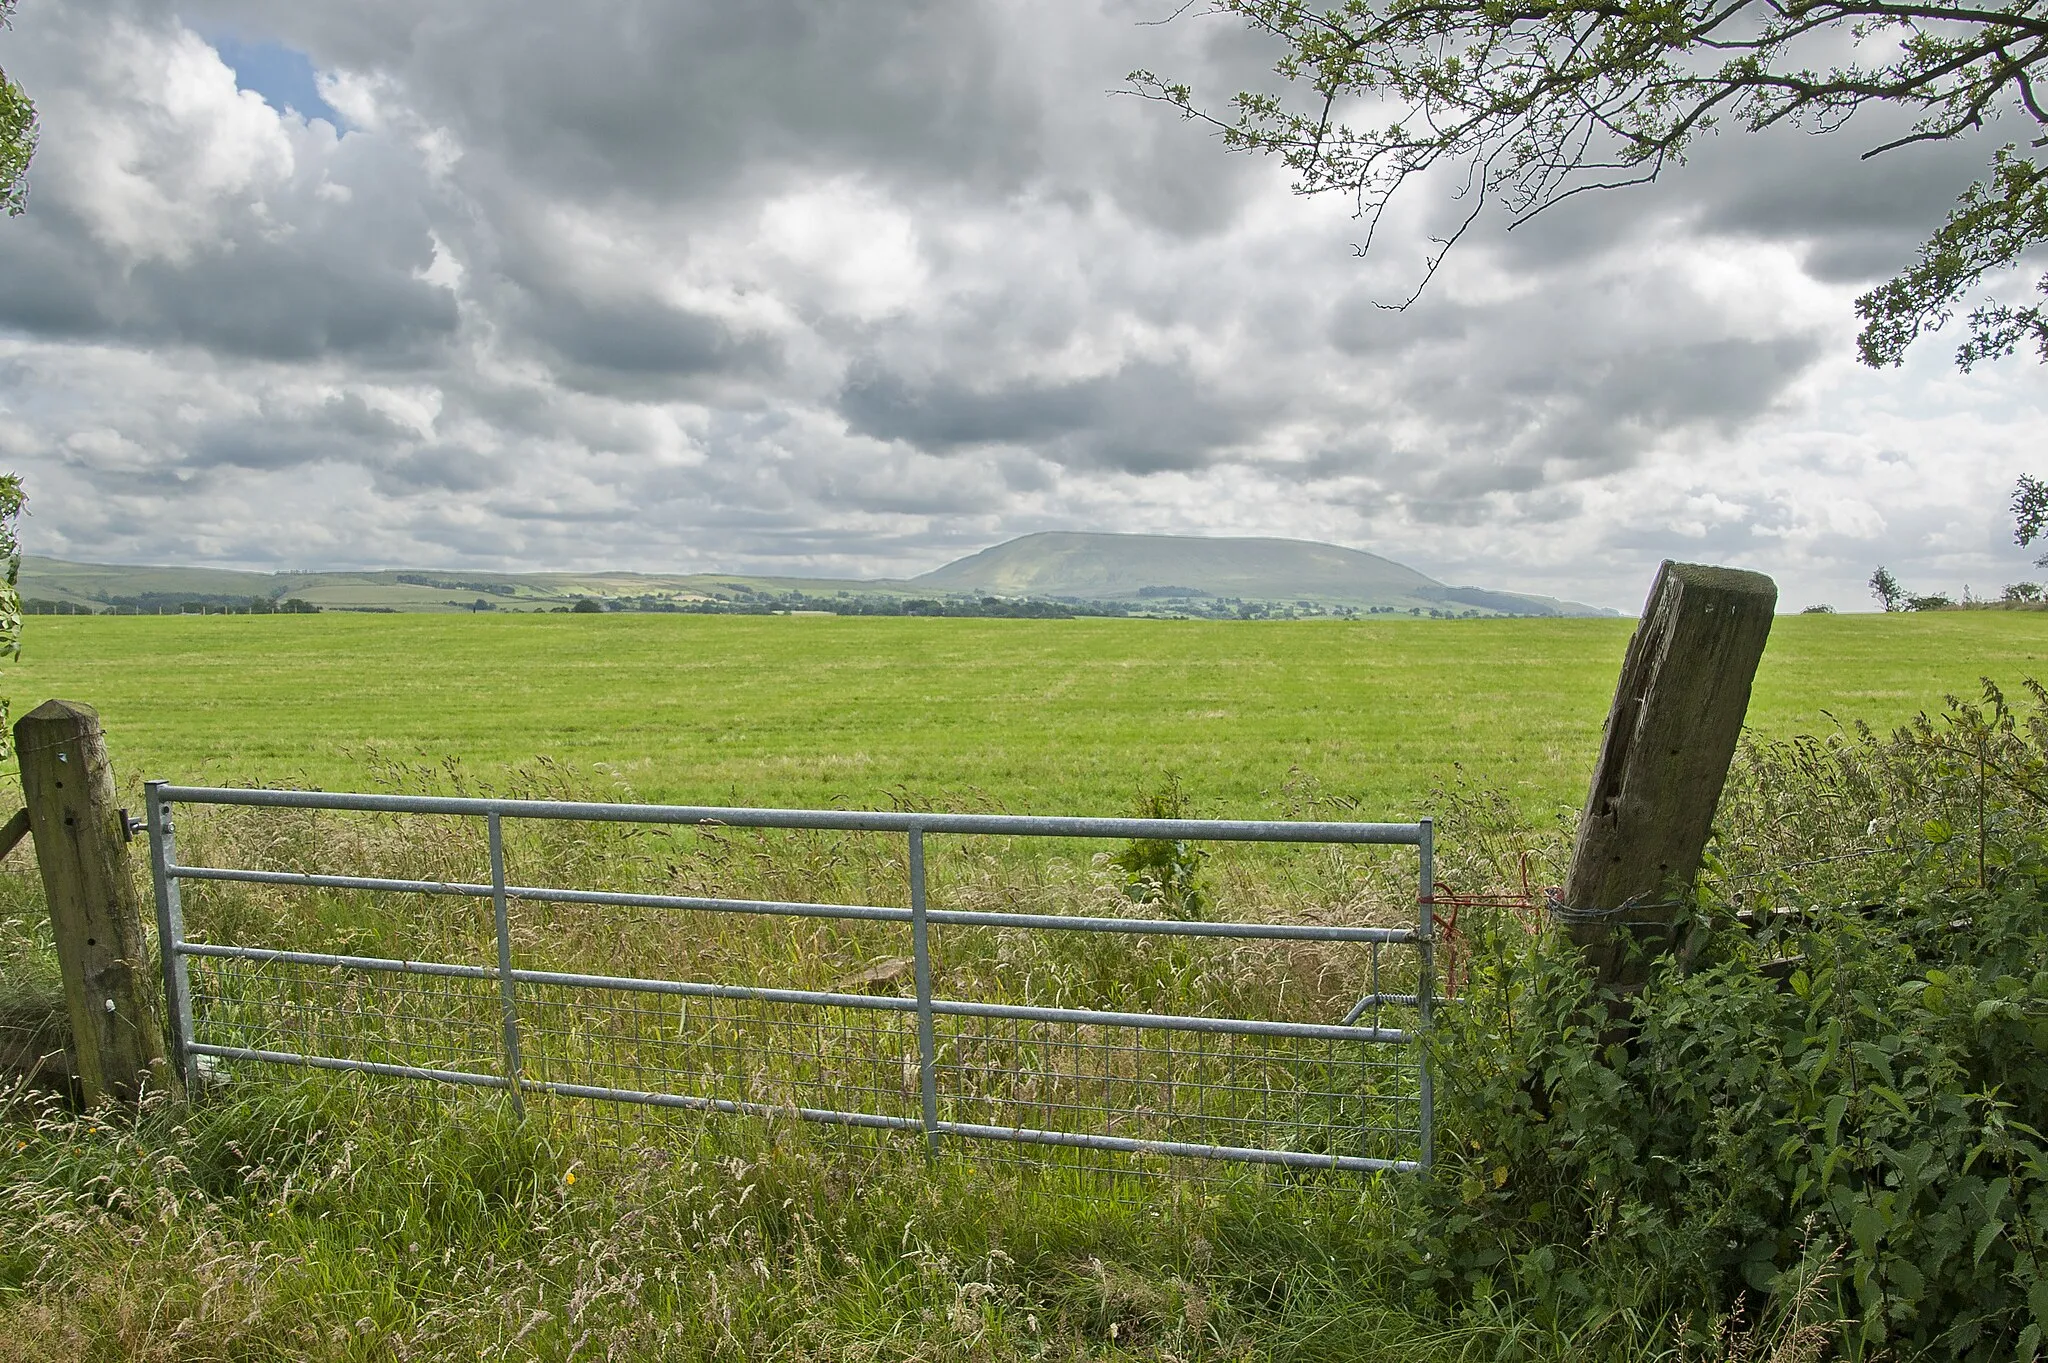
(98, 586)
(1059, 563)
(1168, 567)
(1116, 574)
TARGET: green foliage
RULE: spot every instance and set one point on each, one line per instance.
(1837, 1115)
(1886, 589)
(17, 135)
(11, 501)
(2030, 512)
(1166, 872)
(1855, 816)
(1997, 221)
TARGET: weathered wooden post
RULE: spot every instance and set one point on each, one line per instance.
(1677, 714)
(81, 846)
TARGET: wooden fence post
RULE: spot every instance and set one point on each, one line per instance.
(1678, 711)
(81, 846)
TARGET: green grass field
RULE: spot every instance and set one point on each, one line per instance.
(1033, 716)
(290, 1217)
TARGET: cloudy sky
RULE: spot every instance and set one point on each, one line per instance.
(855, 288)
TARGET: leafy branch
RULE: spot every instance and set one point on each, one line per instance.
(17, 133)
(1531, 102)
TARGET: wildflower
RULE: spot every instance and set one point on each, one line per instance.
(570, 1178)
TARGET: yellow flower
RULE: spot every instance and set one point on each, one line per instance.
(570, 1178)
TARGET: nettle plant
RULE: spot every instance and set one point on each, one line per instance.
(1834, 1117)
(1166, 872)
(12, 499)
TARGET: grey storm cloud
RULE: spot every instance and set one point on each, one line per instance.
(337, 430)
(947, 415)
(616, 97)
(295, 299)
(1552, 387)
(1599, 413)
(1856, 219)
(440, 468)
(1144, 417)
(1861, 218)
(644, 338)
(809, 286)
(289, 309)
(265, 445)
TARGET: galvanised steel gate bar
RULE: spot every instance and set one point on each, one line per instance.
(189, 1048)
(501, 914)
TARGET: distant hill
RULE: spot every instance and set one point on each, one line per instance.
(1100, 574)
(127, 587)
(1061, 563)
(1162, 567)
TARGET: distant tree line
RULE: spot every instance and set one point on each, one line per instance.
(766, 603)
(1202, 606)
(1884, 586)
(456, 584)
(746, 601)
(172, 603)
(2029, 507)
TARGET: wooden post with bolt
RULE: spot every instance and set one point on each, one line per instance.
(81, 840)
(1677, 714)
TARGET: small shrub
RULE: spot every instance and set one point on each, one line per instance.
(1165, 872)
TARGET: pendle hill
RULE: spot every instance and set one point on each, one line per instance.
(1056, 573)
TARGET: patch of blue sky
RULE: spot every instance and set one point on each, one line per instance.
(284, 76)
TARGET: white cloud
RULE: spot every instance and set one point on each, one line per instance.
(152, 144)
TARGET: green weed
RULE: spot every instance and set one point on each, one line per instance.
(1830, 1123)
(1166, 872)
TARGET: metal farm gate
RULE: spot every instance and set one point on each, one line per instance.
(1349, 1092)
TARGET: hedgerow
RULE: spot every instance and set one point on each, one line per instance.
(1824, 1117)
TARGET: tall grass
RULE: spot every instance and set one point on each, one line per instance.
(330, 1216)
(343, 1219)
(292, 1216)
